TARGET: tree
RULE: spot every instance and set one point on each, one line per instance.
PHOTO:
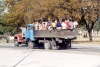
(4, 27)
(90, 14)
(26, 11)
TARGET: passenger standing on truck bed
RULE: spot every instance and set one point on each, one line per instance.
(71, 24)
(67, 23)
(63, 24)
(40, 25)
(58, 25)
(53, 25)
(36, 25)
(45, 25)
(75, 24)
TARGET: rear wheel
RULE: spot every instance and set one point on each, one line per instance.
(68, 44)
(54, 45)
(47, 45)
(16, 43)
(31, 44)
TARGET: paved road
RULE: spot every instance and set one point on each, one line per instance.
(81, 55)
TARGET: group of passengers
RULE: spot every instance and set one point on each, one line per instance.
(55, 24)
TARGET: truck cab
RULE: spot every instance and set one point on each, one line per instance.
(20, 37)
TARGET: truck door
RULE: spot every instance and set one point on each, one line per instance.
(29, 32)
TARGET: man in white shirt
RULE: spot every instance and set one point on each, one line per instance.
(71, 23)
(63, 24)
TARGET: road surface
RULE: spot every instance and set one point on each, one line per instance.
(81, 55)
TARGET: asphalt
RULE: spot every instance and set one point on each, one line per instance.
(12, 57)
(93, 46)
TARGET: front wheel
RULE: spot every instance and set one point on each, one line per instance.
(16, 43)
(31, 44)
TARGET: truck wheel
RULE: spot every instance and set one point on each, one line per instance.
(54, 45)
(68, 44)
(47, 45)
(16, 43)
(31, 44)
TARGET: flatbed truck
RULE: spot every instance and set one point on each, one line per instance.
(51, 39)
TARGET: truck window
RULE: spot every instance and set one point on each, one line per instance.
(29, 28)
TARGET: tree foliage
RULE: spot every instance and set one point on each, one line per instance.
(97, 26)
(26, 11)
(22, 12)
(90, 14)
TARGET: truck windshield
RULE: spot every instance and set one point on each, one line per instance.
(29, 27)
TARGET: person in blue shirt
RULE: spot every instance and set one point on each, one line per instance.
(58, 25)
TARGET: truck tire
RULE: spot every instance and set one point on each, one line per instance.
(68, 44)
(63, 45)
(16, 43)
(47, 45)
(31, 44)
(54, 45)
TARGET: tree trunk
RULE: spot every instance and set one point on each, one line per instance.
(90, 35)
(88, 27)
(7, 35)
